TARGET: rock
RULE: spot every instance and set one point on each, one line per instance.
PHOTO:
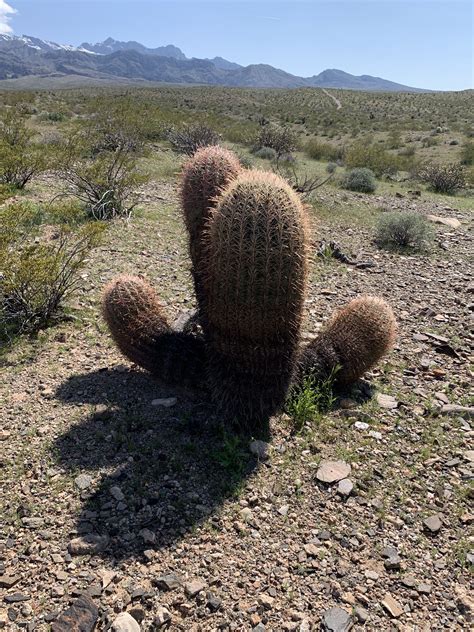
(81, 616)
(194, 587)
(283, 510)
(168, 582)
(469, 456)
(424, 589)
(17, 597)
(345, 487)
(386, 401)
(246, 514)
(33, 523)
(464, 600)
(311, 549)
(83, 481)
(332, 471)
(260, 449)
(148, 536)
(125, 623)
(409, 581)
(7, 581)
(461, 411)
(107, 577)
(162, 617)
(117, 493)
(213, 602)
(166, 402)
(372, 575)
(392, 606)
(361, 425)
(266, 601)
(89, 544)
(337, 620)
(433, 524)
(452, 222)
(361, 614)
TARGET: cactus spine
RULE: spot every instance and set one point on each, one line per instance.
(355, 339)
(255, 285)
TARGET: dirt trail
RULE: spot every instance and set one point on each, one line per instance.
(335, 99)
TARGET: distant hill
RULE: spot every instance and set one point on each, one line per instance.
(114, 61)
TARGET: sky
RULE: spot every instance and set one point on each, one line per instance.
(421, 43)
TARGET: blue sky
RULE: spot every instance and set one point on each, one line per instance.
(424, 43)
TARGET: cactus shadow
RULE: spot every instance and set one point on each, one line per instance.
(175, 466)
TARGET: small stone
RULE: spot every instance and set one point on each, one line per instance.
(347, 403)
(452, 222)
(345, 487)
(337, 620)
(311, 549)
(148, 536)
(213, 602)
(33, 523)
(461, 411)
(386, 401)
(117, 493)
(283, 510)
(162, 617)
(194, 587)
(424, 589)
(432, 523)
(168, 582)
(107, 578)
(260, 449)
(361, 614)
(246, 514)
(7, 581)
(125, 623)
(392, 606)
(81, 616)
(361, 425)
(266, 601)
(166, 402)
(372, 575)
(17, 597)
(469, 456)
(83, 481)
(332, 471)
(89, 544)
(409, 581)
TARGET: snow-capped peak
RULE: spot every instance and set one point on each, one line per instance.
(42, 45)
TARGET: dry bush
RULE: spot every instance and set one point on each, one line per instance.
(403, 231)
(191, 138)
(443, 178)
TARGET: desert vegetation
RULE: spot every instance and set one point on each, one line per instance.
(235, 358)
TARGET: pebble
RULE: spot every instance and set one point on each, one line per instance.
(162, 617)
(345, 487)
(166, 402)
(386, 401)
(337, 620)
(266, 601)
(332, 471)
(424, 589)
(125, 623)
(194, 587)
(88, 545)
(83, 481)
(117, 493)
(361, 614)
(148, 536)
(432, 523)
(33, 523)
(462, 411)
(361, 425)
(17, 597)
(246, 514)
(392, 606)
(7, 581)
(261, 449)
(81, 616)
(168, 582)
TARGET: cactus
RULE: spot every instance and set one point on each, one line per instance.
(204, 176)
(141, 331)
(355, 339)
(255, 285)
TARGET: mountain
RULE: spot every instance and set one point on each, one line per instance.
(113, 46)
(113, 61)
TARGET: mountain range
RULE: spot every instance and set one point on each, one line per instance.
(115, 61)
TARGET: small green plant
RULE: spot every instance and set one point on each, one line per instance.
(312, 398)
(374, 157)
(467, 154)
(360, 179)
(404, 231)
(331, 167)
(20, 158)
(281, 139)
(318, 150)
(266, 153)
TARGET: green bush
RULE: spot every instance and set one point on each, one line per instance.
(447, 178)
(20, 158)
(331, 167)
(467, 154)
(38, 268)
(267, 153)
(361, 180)
(282, 139)
(403, 231)
(374, 157)
(191, 138)
(317, 150)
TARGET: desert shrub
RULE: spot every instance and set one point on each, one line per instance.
(361, 180)
(245, 161)
(442, 178)
(331, 167)
(308, 402)
(38, 270)
(190, 138)
(317, 150)
(467, 154)
(403, 231)
(282, 139)
(374, 157)
(267, 153)
(429, 141)
(20, 158)
(394, 140)
(106, 185)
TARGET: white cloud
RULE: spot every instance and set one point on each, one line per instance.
(6, 11)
